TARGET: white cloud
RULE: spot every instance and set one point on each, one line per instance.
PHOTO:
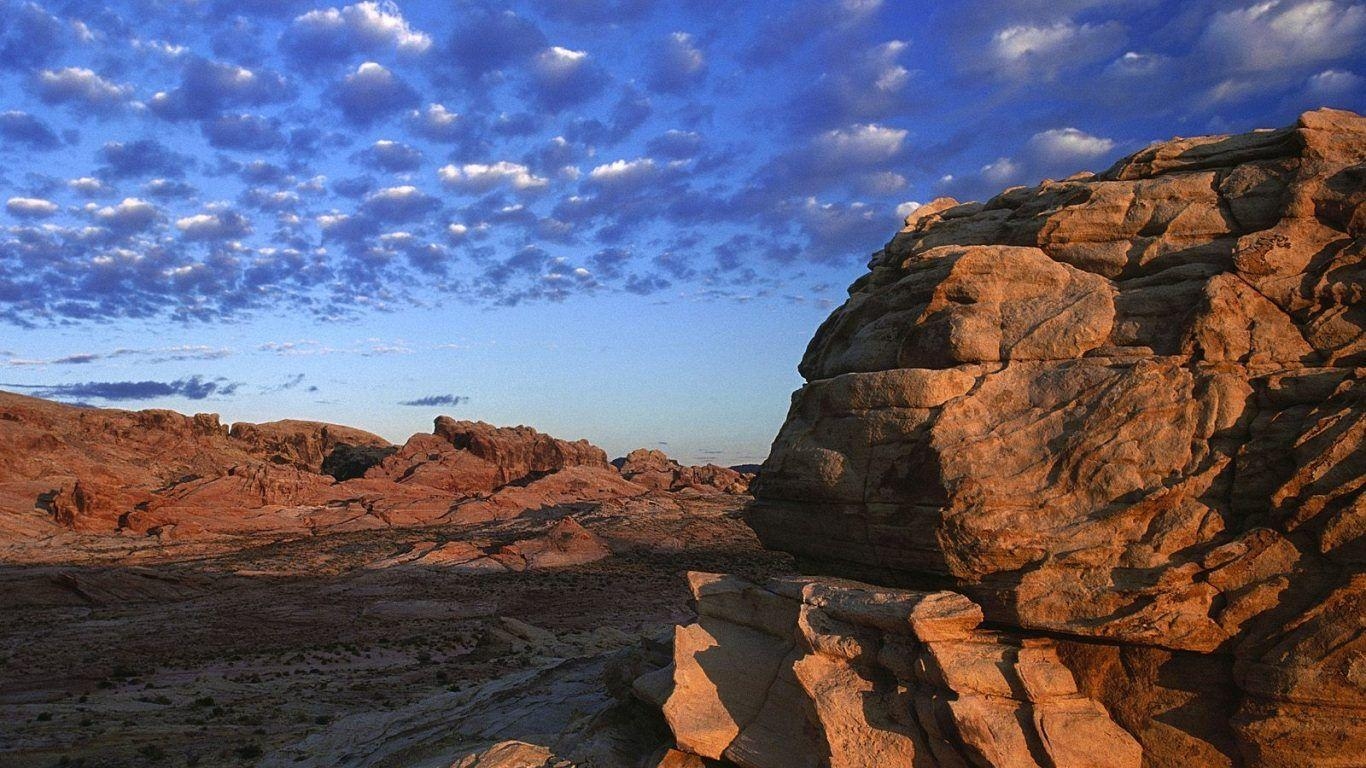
(219, 225)
(77, 84)
(131, 213)
(866, 144)
(1002, 171)
(1060, 145)
(623, 171)
(371, 24)
(1332, 83)
(1276, 35)
(480, 177)
(907, 208)
(1045, 50)
(87, 185)
(31, 207)
(557, 61)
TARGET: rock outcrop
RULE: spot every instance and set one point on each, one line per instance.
(1124, 415)
(654, 469)
(802, 673)
(111, 481)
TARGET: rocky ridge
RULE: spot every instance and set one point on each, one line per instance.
(83, 482)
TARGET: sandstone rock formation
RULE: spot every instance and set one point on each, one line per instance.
(654, 469)
(1124, 415)
(163, 483)
(811, 672)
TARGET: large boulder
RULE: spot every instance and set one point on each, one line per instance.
(1125, 408)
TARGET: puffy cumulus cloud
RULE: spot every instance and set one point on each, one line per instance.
(209, 87)
(1044, 51)
(859, 145)
(88, 185)
(333, 34)
(392, 156)
(1002, 171)
(1068, 145)
(217, 225)
(678, 65)
(270, 200)
(1284, 35)
(907, 208)
(562, 78)
(169, 189)
(432, 401)
(437, 123)
(22, 128)
(1334, 84)
(488, 40)
(82, 88)
(402, 203)
(192, 388)
(129, 216)
(31, 207)
(373, 92)
(244, 132)
(144, 157)
(623, 172)
(482, 177)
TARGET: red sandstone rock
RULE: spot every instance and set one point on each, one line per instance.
(653, 469)
(1126, 408)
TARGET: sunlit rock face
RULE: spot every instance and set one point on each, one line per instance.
(1126, 410)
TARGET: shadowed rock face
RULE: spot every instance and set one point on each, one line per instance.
(1125, 410)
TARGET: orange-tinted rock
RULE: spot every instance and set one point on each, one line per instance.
(653, 469)
(304, 444)
(1126, 408)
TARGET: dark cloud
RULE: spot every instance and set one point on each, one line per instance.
(392, 156)
(207, 88)
(372, 93)
(488, 39)
(143, 157)
(22, 128)
(676, 145)
(29, 35)
(563, 78)
(436, 400)
(244, 132)
(192, 388)
(678, 65)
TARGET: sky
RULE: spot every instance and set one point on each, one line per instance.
(619, 220)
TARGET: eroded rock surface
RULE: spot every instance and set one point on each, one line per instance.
(1125, 408)
(654, 469)
(821, 672)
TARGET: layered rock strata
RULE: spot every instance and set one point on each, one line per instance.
(819, 672)
(1125, 411)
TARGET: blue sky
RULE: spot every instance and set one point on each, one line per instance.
(612, 219)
